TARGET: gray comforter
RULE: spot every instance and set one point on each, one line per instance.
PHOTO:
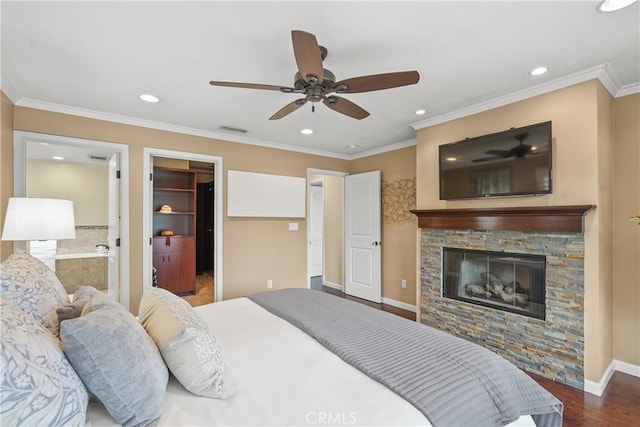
(451, 381)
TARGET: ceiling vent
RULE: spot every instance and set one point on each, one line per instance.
(98, 158)
(232, 129)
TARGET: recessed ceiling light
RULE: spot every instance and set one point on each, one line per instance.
(306, 131)
(538, 71)
(613, 5)
(57, 158)
(44, 143)
(421, 112)
(451, 159)
(352, 147)
(149, 98)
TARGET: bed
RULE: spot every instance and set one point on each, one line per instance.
(278, 360)
(276, 374)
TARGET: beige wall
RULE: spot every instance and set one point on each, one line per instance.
(599, 291)
(255, 250)
(6, 166)
(581, 162)
(85, 184)
(626, 234)
(574, 114)
(398, 238)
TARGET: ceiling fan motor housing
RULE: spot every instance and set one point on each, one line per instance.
(327, 80)
(315, 92)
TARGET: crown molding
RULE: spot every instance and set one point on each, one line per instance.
(116, 118)
(609, 80)
(602, 72)
(385, 149)
(629, 89)
(8, 88)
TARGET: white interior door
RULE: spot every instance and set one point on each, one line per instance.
(363, 252)
(113, 234)
(316, 219)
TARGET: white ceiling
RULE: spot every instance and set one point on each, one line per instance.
(95, 59)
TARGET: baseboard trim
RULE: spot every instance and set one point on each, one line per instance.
(331, 285)
(399, 304)
(598, 388)
(627, 368)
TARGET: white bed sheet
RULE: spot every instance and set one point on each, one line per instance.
(277, 375)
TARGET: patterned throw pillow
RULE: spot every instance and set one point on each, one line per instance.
(33, 287)
(117, 360)
(188, 347)
(39, 386)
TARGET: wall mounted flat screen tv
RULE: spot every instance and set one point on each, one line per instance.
(515, 162)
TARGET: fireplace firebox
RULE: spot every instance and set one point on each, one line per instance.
(499, 280)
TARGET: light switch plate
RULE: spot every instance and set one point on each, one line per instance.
(293, 226)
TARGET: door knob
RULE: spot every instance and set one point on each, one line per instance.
(377, 243)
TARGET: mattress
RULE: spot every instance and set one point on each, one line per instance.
(275, 374)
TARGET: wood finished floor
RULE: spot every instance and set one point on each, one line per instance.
(204, 290)
(619, 406)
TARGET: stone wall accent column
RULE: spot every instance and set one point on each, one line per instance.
(553, 348)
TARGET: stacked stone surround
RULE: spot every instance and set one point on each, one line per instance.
(554, 347)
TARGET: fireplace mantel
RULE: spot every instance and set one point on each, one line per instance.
(534, 218)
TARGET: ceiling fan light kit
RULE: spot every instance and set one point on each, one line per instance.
(317, 84)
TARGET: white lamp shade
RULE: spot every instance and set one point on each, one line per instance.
(39, 219)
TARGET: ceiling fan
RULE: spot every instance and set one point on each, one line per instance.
(519, 151)
(318, 84)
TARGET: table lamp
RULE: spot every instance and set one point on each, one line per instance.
(36, 220)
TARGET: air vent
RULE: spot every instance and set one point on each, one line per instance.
(232, 129)
(98, 158)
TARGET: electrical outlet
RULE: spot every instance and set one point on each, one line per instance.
(269, 284)
(403, 283)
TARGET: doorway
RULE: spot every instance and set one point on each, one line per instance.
(344, 225)
(193, 227)
(94, 175)
(325, 228)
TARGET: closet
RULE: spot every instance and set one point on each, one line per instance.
(174, 229)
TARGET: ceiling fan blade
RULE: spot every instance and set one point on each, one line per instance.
(377, 82)
(307, 53)
(251, 86)
(502, 153)
(288, 109)
(345, 107)
(485, 159)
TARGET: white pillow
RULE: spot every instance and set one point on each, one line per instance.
(33, 287)
(39, 386)
(188, 347)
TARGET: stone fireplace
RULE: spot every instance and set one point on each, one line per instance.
(484, 253)
(499, 280)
